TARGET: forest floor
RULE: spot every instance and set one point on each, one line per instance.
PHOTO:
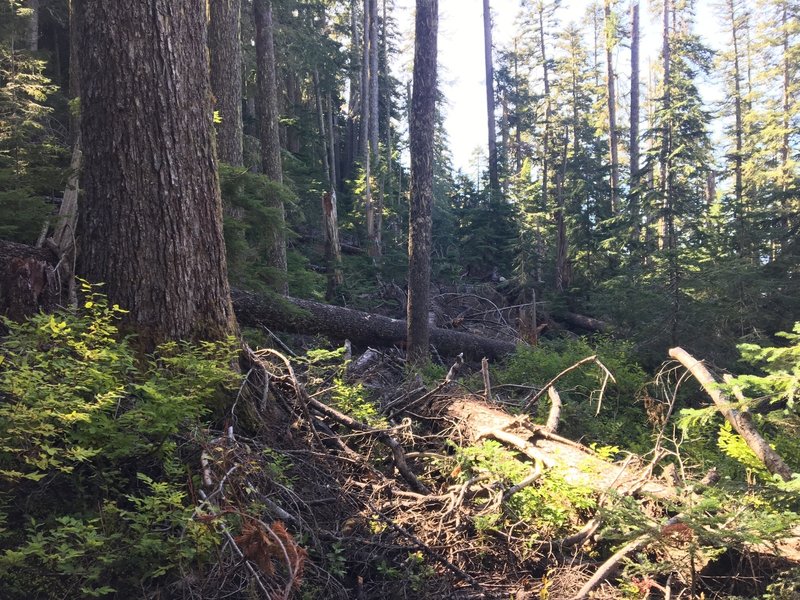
(433, 490)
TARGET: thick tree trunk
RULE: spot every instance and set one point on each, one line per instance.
(150, 224)
(494, 177)
(225, 51)
(423, 123)
(305, 316)
(267, 101)
(634, 141)
(611, 97)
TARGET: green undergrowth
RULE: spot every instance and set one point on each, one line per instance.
(621, 418)
(95, 495)
(550, 506)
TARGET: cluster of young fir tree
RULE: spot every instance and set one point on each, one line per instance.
(602, 202)
(625, 208)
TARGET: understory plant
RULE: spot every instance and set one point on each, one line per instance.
(95, 493)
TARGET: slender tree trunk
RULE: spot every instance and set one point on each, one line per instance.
(738, 186)
(74, 71)
(634, 141)
(423, 122)
(668, 235)
(332, 156)
(364, 137)
(562, 275)
(374, 131)
(612, 106)
(547, 111)
(664, 156)
(267, 101)
(150, 225)
(33, 25)
(494, 177)
(353, 104)
(225, 52)
(330, 219)
(518, 128)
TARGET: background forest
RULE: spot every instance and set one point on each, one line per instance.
(616, 214)
(626, 215)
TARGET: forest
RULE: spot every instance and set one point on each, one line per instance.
(262, 337)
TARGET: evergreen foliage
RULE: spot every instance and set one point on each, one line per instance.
(30, 152)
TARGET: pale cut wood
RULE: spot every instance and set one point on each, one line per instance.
(739, 420)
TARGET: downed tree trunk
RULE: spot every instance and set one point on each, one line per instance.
(579, 465)
(739, 420)
(306, 316)
(588, 323)
(28, 282)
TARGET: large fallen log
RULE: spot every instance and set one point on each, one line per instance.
(476, 420)
(305, 316)
(28, 283)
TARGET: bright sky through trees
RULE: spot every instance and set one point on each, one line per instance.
(461, 60)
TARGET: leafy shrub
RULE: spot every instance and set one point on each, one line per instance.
(92, 486)
(550, 505)
(621, 420)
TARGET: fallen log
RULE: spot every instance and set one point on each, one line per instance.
(476, 420)
(293, 315)
(28, 283)
(740, 420)
(588, 323)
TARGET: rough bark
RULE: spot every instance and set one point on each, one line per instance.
(304, 316)
(64, 233)
(332, 156)
(423, 115)
(476, 420)
(225, 52)
(611, 97)
(74, 71)
(267, 107)
(562, 243)
(330, 219)
(150, 224)
(28, 281)
(634, 140)
(588, 323)
(740, 420)
(494, 178)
